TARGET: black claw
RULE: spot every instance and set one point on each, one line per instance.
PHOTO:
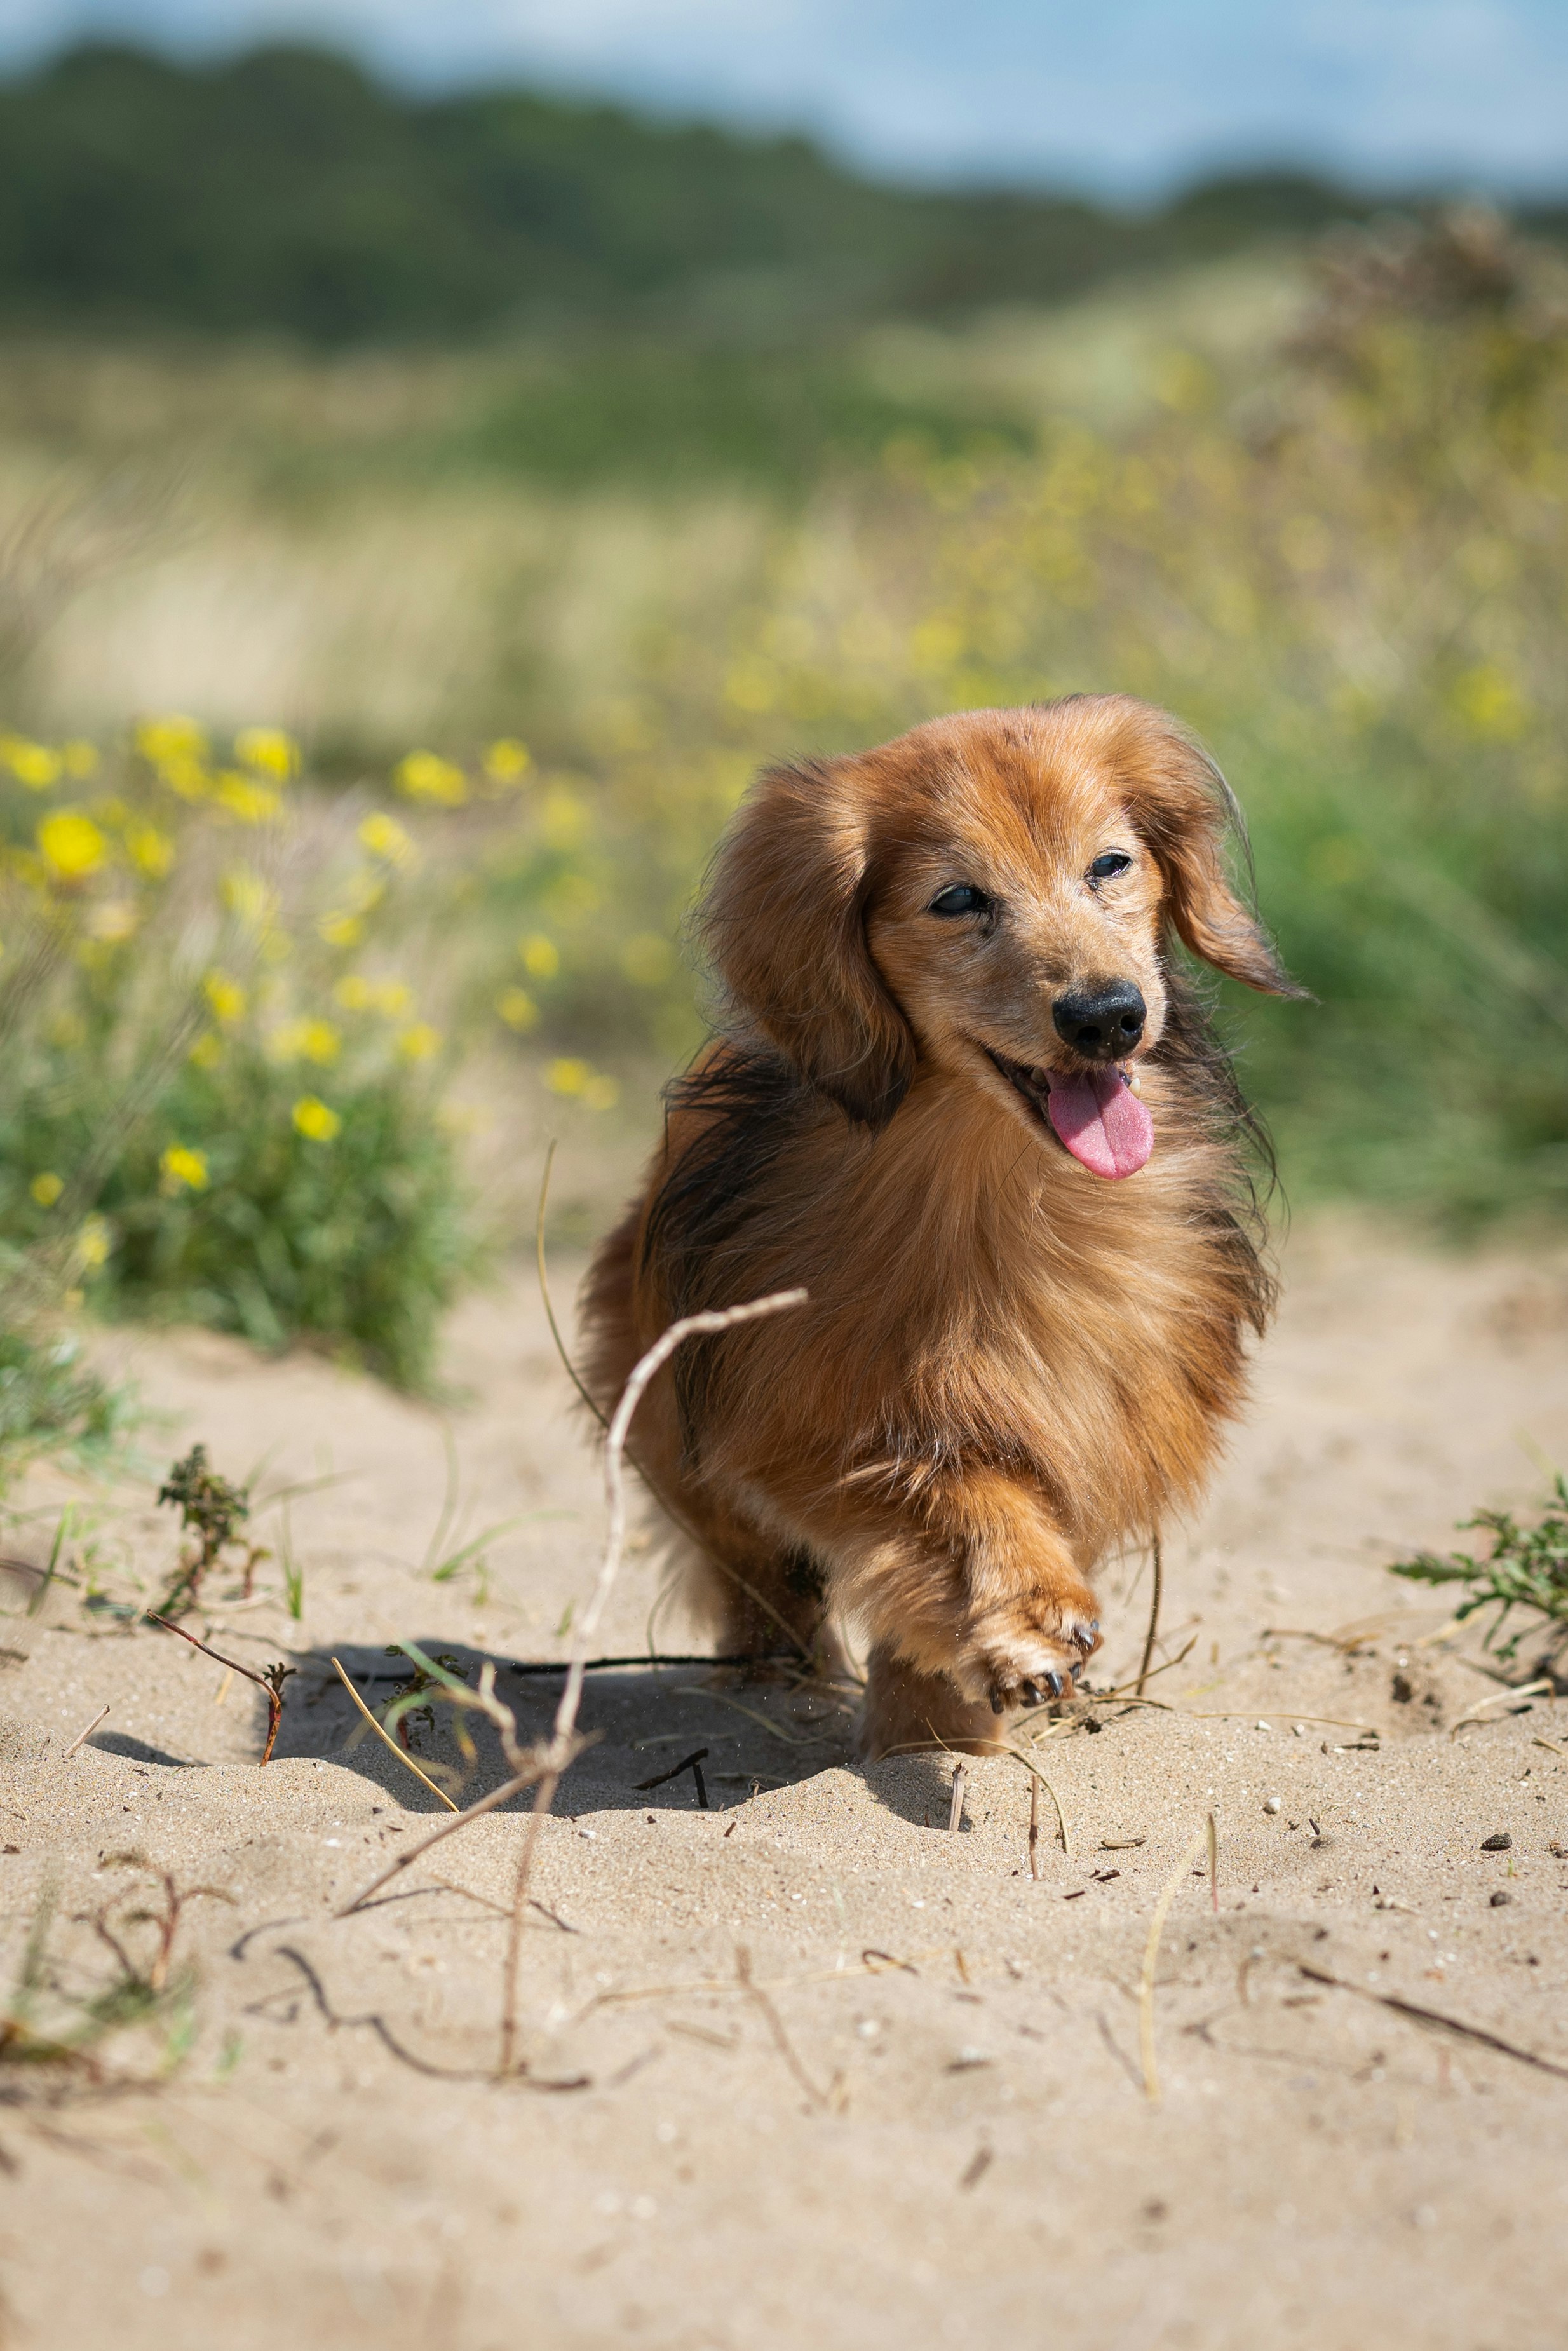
(995, 1701)
(1028, 1693)
(1053, 1680)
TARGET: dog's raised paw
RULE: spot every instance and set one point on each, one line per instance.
(1029, 1656)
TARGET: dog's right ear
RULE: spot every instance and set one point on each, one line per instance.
(783, 920)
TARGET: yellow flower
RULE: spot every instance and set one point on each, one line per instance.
(647, 959)
(207, 1051)
(92, 1244)
(271, 749)
(567, 1077)
(418, 1042)
(226, 998)
(185, 776)
(423, 776)
(540, 956)
(355, 993)
(385, 838)
(1490, 703)
(306, 1040)
(508, 761)
(249, 899)
(46, 1189)
(161, 739)
(253, 804)
(517, 1009)
(183, 1170)
(563, 818)
(340, 930)
(71, 845)
(79, 758)
(150, 852)
(33, 764)
(315, 1120)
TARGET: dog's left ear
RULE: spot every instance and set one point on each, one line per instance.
(1188, 813)
(784, 920)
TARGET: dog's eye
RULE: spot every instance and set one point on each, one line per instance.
(1114, 861)
(963, 898)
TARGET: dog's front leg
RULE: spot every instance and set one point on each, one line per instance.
(978, 1585)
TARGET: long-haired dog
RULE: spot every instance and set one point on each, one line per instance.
(964, 1098)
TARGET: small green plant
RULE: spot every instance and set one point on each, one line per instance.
(51, 1402)
(293, 1571)
(212, 1511)
(1527, 1567)
(56, 2034)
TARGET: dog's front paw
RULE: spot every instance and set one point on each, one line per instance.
(1031, 1652)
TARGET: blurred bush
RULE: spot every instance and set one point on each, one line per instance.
(236, 1001)
(222, 1104)
(1348, 571)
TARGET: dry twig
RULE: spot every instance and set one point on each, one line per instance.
(1158, 1596)
(272, 1681)
(1152, 1949)
(563, 1742)
(87, 1730)
(387, 1741)
(1435, 2019)
(754, 1990)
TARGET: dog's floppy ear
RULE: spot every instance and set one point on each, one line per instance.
(1188, 813)
(783, 921)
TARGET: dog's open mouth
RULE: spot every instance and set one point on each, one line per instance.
(1097, 1116)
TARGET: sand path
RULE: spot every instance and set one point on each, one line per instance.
(932, 2125)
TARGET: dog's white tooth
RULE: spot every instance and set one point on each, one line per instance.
(1135, 1082)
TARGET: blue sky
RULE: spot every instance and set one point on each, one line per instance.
(1121, 96)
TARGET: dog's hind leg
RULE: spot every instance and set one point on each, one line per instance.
(904, 1710)
(754, 1593)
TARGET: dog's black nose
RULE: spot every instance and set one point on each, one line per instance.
(1102, 1024)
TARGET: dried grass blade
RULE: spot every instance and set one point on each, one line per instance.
(1206, 1835)
(387, 1741)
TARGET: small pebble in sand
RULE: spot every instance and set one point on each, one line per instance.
(1271, 1803)
(1501, 1843)
(1501, 1896)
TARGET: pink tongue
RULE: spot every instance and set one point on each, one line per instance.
(1101, 1122)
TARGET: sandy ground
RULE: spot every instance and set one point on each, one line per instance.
(930, 2126)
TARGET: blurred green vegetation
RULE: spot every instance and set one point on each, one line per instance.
(553, 603)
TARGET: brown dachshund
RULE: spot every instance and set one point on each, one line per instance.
(964, 1097)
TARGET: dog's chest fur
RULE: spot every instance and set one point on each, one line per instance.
(978, 1299)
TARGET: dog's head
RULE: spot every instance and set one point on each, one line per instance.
(992, 896)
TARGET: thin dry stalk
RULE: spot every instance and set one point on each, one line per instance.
(563, 1743)
(526, 1762)
(87, 1731)
(387, 1741)
(567, 1364)
(1153, 1633)
(1437, 2022)
(1031, 1766)
(1034, 1828)
(1152, 1950)
(272, 1681)
(570, 1369)
(956, 1809)
(775, 2025)
(1478, 1712)
(501, 1795)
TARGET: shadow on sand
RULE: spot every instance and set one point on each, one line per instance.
(753, 1733)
